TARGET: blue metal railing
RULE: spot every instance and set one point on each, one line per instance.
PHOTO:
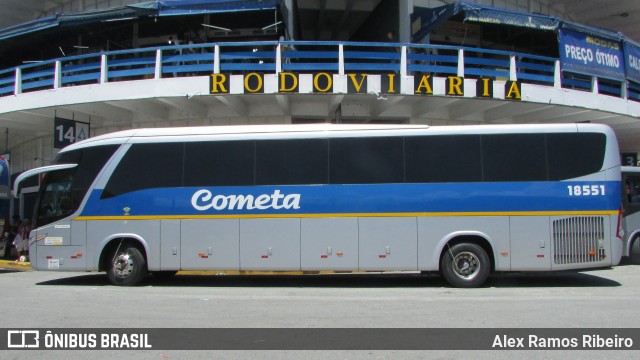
(633, 91)
(296, 56)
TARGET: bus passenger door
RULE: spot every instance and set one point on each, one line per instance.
(530, 243)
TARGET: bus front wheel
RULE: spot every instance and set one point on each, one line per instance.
(128, 266)
(465, 265)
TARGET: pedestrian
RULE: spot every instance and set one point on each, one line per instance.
(11, 235)
(21, 240)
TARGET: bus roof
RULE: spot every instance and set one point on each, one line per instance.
(255, 129)
(315, 130)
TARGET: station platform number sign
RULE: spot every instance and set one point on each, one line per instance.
(67, 132)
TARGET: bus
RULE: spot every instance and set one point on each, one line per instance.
(460, 201)
(631, 207)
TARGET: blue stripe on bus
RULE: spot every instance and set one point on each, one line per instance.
(361, 199)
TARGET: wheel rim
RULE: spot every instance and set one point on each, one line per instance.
(123, 265)
(466, 265)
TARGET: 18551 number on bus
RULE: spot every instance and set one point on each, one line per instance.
(586, 190)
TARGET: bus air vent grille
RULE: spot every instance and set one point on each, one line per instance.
(578, 240)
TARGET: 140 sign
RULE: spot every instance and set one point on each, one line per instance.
(67, 132)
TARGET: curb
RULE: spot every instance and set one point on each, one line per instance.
(13, 265)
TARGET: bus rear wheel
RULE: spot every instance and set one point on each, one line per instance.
(465, 265)
(128, 266)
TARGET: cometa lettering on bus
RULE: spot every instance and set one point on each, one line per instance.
(204, 200)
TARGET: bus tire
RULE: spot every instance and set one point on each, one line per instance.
(634, 241)
(127, 266)
(465, 265)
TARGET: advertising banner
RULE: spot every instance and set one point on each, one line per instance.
(424, 20)
(4, 179)
(632, 61)
(591, 55)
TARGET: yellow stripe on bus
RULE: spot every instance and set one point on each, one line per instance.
(416, 214)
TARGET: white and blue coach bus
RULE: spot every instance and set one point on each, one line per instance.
(631, 208)
(464, 201)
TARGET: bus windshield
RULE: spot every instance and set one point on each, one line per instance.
(62, 191)
(56, 200)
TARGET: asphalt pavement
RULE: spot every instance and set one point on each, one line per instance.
(604, 299)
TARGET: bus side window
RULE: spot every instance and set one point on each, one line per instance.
(633, 190)
(147, 166)
(375, 160)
